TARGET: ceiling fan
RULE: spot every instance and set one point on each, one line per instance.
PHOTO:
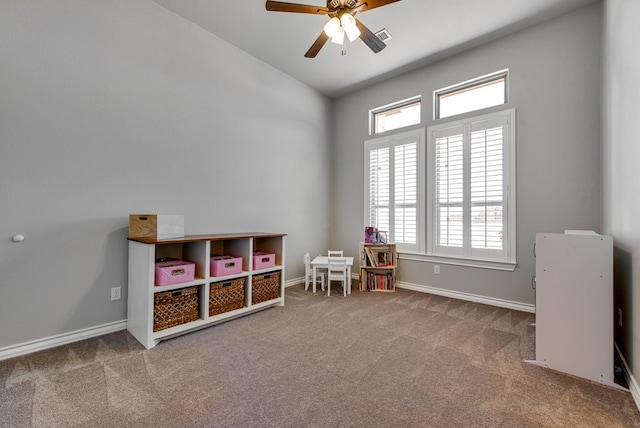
(343, 21)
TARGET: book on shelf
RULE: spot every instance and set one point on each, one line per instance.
(385, 259)
(379, 257)
(371, 257)
(378, 282)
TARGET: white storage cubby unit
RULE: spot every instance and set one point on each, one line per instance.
(198, 249)
(574, 304)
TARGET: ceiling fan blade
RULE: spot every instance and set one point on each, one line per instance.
(317, 45)
(369, 38)
(280, 6)
(365, 5)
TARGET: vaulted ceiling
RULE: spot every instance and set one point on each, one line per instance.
(422, 31)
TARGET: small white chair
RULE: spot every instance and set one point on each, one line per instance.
(308, 273)
(335, 253)
(337, 271)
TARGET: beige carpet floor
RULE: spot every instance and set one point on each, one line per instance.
(403, 359)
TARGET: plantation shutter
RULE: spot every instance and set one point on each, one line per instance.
(449, 187)
(379, 188)
(469, 193)
(406, 193)
(487, 184)
(394, 179)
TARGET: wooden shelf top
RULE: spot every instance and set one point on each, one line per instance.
(212, 237)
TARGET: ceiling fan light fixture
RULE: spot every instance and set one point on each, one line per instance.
(332, 27)
(347, 20)
(352, 33)
(349, 24)
(338, 37)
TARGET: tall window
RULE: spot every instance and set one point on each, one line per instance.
(394, 177)
(451, 198)
(471, 171)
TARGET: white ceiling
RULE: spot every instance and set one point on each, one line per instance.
(422, 31)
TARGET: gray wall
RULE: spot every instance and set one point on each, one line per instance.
(621, 161)
(119, 107)
(109, 108)
(555, 88)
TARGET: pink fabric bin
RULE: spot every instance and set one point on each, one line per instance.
(225, 265)
(263, 260)
(174, 272)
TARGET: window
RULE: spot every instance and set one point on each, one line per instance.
(394, 177)
(471, 176)
(397, 115)
(450, 198)
(476, 94)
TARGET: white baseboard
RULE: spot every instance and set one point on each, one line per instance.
(294, 281)
(300, 280)
(65, 338)
(75, 336)
(508, 304)
(60, 339)
(631, 381)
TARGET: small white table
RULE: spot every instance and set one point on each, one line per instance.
(323, 262)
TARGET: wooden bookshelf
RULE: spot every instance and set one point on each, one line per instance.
(378, 267)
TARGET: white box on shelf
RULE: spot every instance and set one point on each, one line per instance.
(156, 226)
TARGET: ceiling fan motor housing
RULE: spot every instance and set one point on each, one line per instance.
(338, 4)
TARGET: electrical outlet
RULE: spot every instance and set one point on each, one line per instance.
(436, 269)
(619, 317)
(116, 293)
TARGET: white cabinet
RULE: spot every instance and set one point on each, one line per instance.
(259, 284)
(574, 304)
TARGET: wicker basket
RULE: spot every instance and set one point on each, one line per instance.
(175, 307)
(225, 296)
(265, 287)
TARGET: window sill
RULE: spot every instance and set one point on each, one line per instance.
(475, 263)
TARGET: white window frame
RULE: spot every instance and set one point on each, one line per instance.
(391, 141)
(390, 107)
(469, 85)
(507, 260)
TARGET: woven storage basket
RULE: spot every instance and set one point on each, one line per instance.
(174, 308)
(265, 287)
(225, 296)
